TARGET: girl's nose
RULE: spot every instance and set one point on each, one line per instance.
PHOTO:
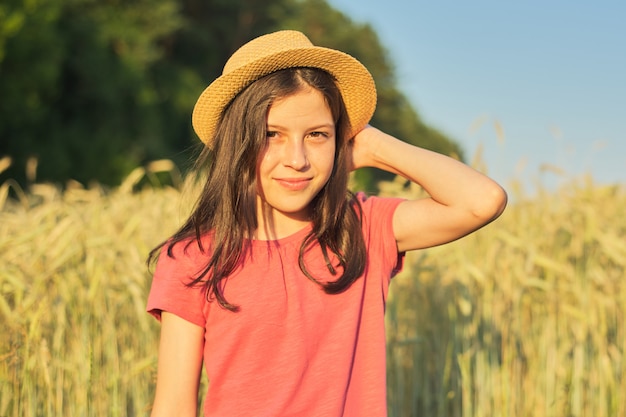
(295, 154)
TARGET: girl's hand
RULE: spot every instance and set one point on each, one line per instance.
(363, 147)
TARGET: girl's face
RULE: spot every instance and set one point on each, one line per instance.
(298, 159)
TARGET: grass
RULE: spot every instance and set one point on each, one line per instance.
(524, 318)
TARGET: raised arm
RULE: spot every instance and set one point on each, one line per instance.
(461, 198)
(179, 366)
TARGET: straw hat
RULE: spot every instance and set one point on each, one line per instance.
(276, 51)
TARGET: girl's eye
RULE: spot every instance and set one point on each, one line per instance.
(271, 134)
(318, 134)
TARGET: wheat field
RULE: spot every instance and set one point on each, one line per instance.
(524, 318)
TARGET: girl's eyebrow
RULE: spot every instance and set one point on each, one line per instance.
(321, 126)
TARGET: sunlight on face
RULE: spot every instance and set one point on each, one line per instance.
(297, 161)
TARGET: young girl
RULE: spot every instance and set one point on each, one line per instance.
(277, 282)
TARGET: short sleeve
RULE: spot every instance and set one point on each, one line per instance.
(170, 290)
(378, 231)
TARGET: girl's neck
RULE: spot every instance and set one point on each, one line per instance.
(274, 225)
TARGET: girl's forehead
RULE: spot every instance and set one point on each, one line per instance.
(304, 104)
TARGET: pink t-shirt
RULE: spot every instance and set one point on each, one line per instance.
(291, 350)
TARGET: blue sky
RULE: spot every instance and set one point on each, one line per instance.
(552, 74)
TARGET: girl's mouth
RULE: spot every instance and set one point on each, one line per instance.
(293, 184)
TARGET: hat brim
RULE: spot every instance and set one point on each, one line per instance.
(353, 80)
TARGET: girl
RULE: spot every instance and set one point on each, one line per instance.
(277, 282)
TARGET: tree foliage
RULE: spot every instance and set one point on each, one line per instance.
(74, 85)
(94, 88)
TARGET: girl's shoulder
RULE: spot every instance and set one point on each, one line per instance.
(187, 251)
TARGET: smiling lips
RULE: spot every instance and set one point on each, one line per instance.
(293, 184)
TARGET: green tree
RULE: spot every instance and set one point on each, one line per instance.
(72, 78)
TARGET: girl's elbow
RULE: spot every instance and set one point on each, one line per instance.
(491, 204)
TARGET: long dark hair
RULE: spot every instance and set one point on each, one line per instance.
(226, 207)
